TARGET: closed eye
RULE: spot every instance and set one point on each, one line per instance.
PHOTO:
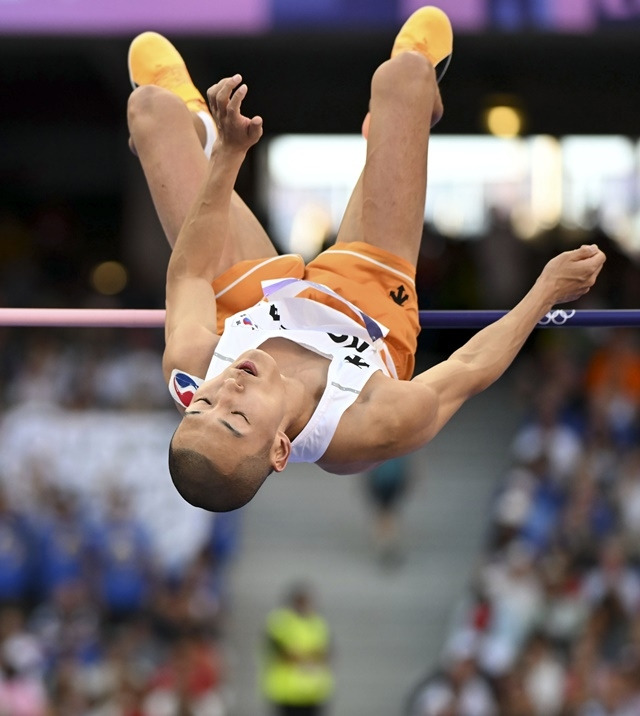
(237, 412)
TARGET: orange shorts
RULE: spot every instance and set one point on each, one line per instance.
(377, 281)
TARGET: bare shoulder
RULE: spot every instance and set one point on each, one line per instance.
(189, 348)
(387, 420)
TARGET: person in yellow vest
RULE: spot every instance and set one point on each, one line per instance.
(297, 678)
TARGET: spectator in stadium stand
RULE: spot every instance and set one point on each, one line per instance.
(458, 687)
(627, 501)
(545, 435)
(190, 680)
(124, 564)
(64, 537)
(613, 576)
(612, 385)
(515, 593)
(68, 626)
(17, 554)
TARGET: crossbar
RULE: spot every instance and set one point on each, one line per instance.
(154, 318)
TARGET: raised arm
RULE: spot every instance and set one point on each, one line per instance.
(190, 323)
(401, 416)
(483, 359)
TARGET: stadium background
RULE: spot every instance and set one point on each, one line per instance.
(71, 196)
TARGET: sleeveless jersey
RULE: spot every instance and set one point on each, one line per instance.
(355, 350)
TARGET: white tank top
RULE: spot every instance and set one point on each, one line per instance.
(355, 350)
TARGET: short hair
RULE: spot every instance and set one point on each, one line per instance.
(202, 484)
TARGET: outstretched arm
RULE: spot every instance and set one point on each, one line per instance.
(483, 359)
(190, 322)
(401, 416)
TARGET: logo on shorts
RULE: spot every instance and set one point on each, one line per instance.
(399, 295)
(357, 361)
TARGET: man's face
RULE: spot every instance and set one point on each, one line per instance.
(236, 413)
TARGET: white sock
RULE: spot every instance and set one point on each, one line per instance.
(210, 129)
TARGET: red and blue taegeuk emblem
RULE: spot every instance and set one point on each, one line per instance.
(183, 387)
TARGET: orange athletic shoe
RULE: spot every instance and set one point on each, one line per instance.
(153, 60)
(428, 31)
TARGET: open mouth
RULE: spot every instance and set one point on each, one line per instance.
(248, 367)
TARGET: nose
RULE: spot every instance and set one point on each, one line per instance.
(231, 384)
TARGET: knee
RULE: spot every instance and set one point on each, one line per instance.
(408, 76)
(149, 104)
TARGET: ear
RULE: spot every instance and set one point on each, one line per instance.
(280, 451)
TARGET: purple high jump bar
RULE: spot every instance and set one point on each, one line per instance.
(154, 318)
(553, 319)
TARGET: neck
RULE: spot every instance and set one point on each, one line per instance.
(305, 376)
(301, 401)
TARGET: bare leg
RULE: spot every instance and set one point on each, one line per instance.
(167, 139)
(163, 137)
(386, 208)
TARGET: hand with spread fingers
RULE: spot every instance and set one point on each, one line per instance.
(234, 129)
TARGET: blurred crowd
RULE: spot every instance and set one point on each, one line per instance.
(93, 624)
(551, 622)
